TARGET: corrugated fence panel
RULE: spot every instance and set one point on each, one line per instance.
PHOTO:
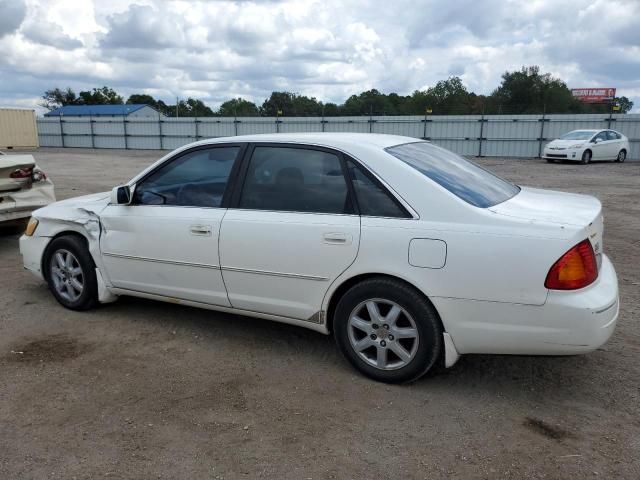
(502, 135)
(212, 127)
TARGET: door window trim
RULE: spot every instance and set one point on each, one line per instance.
(231, 181)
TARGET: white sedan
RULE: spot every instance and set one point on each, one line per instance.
(587, 145)
(409, 254)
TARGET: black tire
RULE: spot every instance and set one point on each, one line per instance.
(88, 298)
(550, 160)
(586, 157)
(429, 348)
(622, 156)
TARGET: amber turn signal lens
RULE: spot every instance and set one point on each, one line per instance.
(31, 227)
(575, 269)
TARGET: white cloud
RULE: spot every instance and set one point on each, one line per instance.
(325, 48)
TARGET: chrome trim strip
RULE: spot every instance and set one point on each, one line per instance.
(607, 308)
(157, 260)
(275, 274)
(217, 267)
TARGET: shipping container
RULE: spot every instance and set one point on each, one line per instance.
(18, 129)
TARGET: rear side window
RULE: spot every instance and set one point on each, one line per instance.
(295, 180)
(612, 135)
(463, 178)
(373, 199)
(195, 179)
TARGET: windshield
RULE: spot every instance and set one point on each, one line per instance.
(578, 135)
(463, 178)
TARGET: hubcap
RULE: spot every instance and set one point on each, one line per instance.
(621, 156)
(67, 275)
(383, 334)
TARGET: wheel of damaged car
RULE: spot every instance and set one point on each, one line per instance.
(388, 330)
(70, 273)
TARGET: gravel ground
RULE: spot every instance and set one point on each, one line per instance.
(139, 389)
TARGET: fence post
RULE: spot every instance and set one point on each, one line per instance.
(124, 130)
(160, 132)
(371, 119)
(541, 139)
(610, 115)
(482, 120)
(93, 143)
(235, 121)
(195, 119)
(61, 130)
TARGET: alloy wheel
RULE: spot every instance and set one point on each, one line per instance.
(67, 275)
(383, 334)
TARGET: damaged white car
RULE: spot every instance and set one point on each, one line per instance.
(23, 187)
(409, 254)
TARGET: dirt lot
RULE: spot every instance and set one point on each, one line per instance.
(139, 389)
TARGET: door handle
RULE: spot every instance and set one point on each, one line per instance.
(336, 238)
(201, 230)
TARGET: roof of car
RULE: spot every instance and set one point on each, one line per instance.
(329, 139)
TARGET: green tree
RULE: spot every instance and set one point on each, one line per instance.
(624, 103)
(100, 96)
(290, 104)
(142, 98)
(238, 107)
(528, 91)
(56, 98)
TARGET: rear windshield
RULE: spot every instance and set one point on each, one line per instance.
(467, 180)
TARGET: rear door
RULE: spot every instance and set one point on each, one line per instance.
(290, 232)
(613, 145)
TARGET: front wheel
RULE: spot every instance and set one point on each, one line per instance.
(622, 156)
(586, 157)
(70, 273)
(388, 330)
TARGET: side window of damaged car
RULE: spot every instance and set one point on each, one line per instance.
(196, 179)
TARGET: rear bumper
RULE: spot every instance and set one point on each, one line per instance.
(570, 322)
(20, 204)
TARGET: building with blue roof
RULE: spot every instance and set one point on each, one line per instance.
(125, 110)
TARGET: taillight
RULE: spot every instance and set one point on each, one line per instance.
(38, 175)
(575, 269)
(25, 172)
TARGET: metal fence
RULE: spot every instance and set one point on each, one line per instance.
(473, 135)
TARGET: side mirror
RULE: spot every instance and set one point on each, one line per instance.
(121, 195)
(597, 140)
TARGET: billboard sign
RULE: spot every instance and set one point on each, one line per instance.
(594, 95)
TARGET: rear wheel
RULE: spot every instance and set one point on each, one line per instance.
(388, 330)
(586, 157)
(622, 156)
(70, 273)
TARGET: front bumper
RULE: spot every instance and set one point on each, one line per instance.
(574, 154)
(569, 322)
(14, 205)
(32, 250)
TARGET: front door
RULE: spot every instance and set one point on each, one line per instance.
(292, 234)
(166, 242)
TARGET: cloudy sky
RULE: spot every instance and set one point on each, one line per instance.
(216, 50)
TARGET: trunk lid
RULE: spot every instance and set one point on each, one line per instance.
(548, 206)
(8, 165)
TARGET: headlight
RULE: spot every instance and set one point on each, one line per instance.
(31, 227)
(577, 145)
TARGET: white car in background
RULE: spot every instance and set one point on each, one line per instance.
(408, 253)
(587, 145)
(23, 187)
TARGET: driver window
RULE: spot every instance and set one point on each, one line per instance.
(196, 179)
(611, 135)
